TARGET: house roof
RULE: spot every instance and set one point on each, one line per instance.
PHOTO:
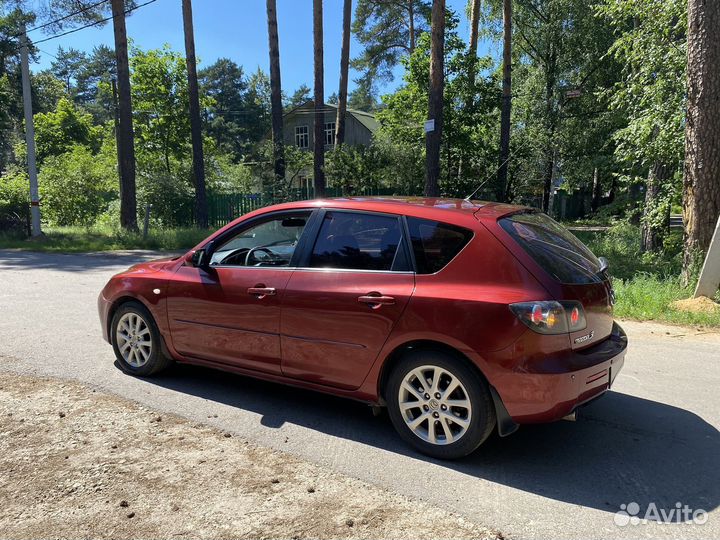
(365, 118)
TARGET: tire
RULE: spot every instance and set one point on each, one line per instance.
(138, 349)
(462, 420)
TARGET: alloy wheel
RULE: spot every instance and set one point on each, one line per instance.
(435, 405)
(134, 340)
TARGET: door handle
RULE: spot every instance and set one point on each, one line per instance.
(376, 300)
(261, 292)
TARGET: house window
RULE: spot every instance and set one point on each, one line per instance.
(302, 137)
(329, 133)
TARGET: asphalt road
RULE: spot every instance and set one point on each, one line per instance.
(653, 439)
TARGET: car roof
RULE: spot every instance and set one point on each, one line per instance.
(438, 208)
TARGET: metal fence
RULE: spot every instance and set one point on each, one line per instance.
(225, 207)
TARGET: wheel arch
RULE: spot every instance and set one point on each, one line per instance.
(117, 304)
(392, 359)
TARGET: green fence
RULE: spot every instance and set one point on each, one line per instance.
(223, 208)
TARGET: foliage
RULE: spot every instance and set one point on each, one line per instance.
(76, 187)
(232, 114)
(58, 131)
(470, 113)
(353, 168)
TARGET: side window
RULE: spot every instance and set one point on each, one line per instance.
(269, 243)
(356, 241)
(435, 244)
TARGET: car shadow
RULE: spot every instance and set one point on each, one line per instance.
(622, 449)
(77, 262)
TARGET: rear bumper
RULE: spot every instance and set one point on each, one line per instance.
(578, 378)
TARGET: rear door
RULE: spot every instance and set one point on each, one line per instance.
(341, 303)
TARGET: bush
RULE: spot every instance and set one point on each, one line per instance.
(14, 201)
(76, 187)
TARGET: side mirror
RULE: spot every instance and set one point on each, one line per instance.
(604, 264)
(200, 259)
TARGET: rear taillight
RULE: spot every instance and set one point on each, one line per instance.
(550, 317)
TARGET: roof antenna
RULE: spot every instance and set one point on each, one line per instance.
(474, 192)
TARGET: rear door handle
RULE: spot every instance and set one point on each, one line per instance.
(261, 292)
(376, 300)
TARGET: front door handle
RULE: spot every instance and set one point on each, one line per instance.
(375, 300)
(261, 291)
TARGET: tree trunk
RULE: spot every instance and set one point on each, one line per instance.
(506, 105)
(596, 190)
(201, 207)
(701, 182)
(276, 111)
(319, 132)
(411, 19)
(652, 233)
(472, 48)
(433, 137)
(550, 120)
(126, 141)
(344, 64)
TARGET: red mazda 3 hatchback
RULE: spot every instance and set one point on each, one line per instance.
(457, 316)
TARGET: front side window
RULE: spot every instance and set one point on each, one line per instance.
(435, 244)
(302, 137)
(269, 243)
(349, 240)
(329, 133)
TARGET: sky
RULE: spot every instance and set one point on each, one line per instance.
(237, 29)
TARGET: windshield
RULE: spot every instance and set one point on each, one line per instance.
(554, 248)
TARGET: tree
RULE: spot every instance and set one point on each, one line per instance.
(58, 131)
(126, 143)
(344, 65)
(649, 39)
(67, 66)
(319, 133)
(433, 136)
(387, 30)
(506, 105)
(474, 28)
(300, 96)
(701, 183)
(275, 94)
(201, 209)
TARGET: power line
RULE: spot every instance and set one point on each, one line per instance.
(68, 16)
(95, 23)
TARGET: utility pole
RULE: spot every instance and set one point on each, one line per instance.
(30, 136)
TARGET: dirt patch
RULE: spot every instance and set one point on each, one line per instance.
(81, 464)
(701, 304)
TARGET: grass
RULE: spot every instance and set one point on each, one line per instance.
(646, 284)
(98, 238)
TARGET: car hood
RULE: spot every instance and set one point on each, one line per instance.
(153, 266)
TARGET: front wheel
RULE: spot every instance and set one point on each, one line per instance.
(439, 404)
(136, 340)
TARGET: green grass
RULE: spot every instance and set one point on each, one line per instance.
(646, 284)
(98, 238)
(647, 297)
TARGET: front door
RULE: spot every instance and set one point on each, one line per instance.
(230, 313)
(341, 304)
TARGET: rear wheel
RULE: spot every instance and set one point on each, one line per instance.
(439, 404)
(136, 340)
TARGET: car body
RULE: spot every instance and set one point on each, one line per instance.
(333, 294)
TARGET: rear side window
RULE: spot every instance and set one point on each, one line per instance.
(554, 248)
(357, 241)
(435, 244)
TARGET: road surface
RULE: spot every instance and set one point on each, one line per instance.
(653, 440)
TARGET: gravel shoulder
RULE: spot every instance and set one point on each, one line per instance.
(79, 463)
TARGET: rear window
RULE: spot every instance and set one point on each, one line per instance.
(435, 244)
(554, 248)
